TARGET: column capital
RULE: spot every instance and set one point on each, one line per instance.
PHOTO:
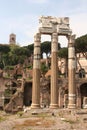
(71, 40)
(37, 37)
(37, 51)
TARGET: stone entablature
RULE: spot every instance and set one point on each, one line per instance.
(49, 25)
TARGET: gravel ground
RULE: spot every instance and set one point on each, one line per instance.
(45, 119)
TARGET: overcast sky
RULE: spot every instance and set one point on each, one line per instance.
(21, 17)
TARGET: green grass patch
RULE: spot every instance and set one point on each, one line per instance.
(2, 119)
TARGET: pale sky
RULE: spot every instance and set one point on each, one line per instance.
(21, 17)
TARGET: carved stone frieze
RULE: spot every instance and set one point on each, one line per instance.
(49, 24)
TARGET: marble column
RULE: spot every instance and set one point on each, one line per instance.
(54, 71)
(36, 72)
(71, 73)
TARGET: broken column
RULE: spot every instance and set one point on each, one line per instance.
(36, 72)
(71, 72)
(54, 71)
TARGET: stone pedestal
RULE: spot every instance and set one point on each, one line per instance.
(36, 73)
(54, 72)
(71, 73)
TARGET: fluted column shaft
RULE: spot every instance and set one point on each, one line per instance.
(71, 73)
(54, 71)
(36, 72)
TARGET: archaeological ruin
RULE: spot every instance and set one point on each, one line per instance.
(38, 91)
(55, 27)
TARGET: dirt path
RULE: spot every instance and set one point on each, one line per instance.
(45, 120)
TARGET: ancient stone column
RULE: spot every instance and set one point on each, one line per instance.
(36, 73)
(54, 72)
(71, 72)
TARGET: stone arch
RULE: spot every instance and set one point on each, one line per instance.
(27, 94)
(83, 92)
(82, 73)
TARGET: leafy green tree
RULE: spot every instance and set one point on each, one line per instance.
(44, 68)
(63, 53)
(17, 55)
(4, 50)
(30, 48)
(81, 45)
(46, 47)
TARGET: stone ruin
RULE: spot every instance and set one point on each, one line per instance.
(54, 27)
(52, 92)
(49, 25)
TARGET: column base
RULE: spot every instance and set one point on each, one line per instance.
(72, 106)
(35, 106)
(54, 106)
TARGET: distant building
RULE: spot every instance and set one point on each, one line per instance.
(12, 39)
(81, 65)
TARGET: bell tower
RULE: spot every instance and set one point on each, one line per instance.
(12, 39)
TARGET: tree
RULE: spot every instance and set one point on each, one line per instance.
(44, 68)
(4, 50)
(30, 48)
(63, 53)
(81, 45)
(46, 47)
(18, 55)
